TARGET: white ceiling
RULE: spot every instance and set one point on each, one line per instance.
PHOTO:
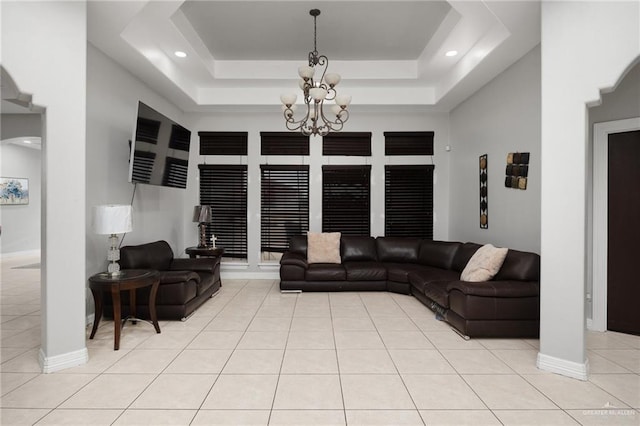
(246, 53)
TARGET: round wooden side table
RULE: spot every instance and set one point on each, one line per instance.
(128, 279)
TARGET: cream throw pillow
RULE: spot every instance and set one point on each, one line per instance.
(323, 247)
(484, 264)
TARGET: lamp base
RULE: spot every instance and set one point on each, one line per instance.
(113, 255)
(203, 236)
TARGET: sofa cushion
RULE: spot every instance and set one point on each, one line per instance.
(464, 253)
(365, 271)
(427, 274)
(325, 272)
(484, 264)
(399, 272)
(323, 247)
(157, 255)
(358, 248)
(398, 249)
(521, 266)
(438, 253)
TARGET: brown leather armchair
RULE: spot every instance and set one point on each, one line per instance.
(185, 284)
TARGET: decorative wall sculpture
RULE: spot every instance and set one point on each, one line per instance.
(517, 170)
(484, 181)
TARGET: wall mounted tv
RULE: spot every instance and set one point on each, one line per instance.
(160, 150)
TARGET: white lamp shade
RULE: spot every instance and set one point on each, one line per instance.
(318, 94)
(288, 99)
(336, 109)
(306, 72)
(332, 79)
(343, 100)
(112, 219)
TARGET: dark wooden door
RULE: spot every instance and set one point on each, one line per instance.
(623, 280)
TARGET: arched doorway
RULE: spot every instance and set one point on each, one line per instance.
(22, 162)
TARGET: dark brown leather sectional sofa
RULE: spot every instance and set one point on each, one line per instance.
(507, 306)
(185, 284)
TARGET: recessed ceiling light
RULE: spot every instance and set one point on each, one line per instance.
(451, 53)
(180, 54)
(27, 141)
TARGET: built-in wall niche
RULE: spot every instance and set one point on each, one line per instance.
(517, 170)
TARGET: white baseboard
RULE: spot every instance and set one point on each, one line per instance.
(561, 366)
(61, 362)
(244, 275)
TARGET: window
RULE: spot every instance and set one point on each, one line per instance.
(346, 199)
(408, 143)
(283, 143)
(223, 143)
(347, 143)
(224, 188)
(284, 207)
(408, 194)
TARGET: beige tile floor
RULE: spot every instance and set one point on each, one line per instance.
(254, 356)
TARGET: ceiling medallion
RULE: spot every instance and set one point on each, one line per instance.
(317, 121)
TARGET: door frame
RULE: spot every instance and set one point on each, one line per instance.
(601, 132)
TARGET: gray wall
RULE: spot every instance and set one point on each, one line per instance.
(502, 117)
(20, 125)
(21, 223)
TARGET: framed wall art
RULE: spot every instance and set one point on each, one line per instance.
(517, 170)
(484, 192)
(14, 191)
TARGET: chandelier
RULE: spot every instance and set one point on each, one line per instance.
(317, 120)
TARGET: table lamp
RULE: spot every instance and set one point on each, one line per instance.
(112, 219)
(202, 215)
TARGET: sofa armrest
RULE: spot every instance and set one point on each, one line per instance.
(289, 258)
(201, 264)
(173, 277)
(497, 288)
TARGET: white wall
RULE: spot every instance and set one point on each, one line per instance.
(21, 223)
(502, 117)
(602, 41)
(112, 106)
(375, 122)
(44, 48)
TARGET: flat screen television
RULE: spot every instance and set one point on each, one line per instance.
(159, 151)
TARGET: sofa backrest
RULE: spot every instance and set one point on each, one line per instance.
(521, 266)
(358, 249)
(156, 256)
(464, 253)
(398, 249)
(298, 244)
(439, 254)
